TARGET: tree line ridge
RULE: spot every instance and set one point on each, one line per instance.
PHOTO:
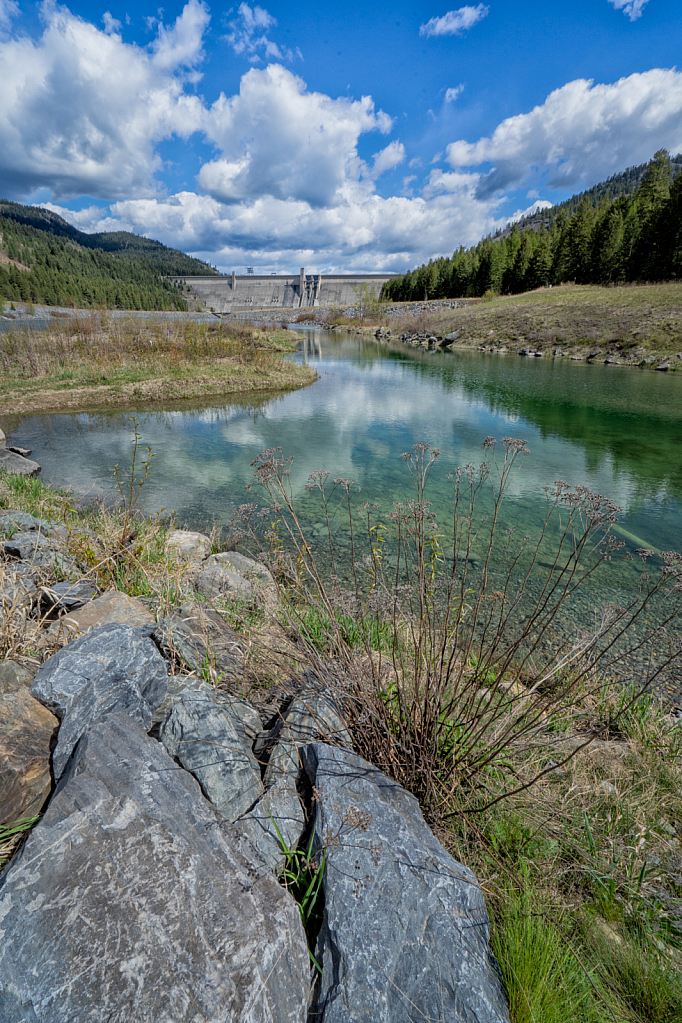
(49, 261)
(592, 238)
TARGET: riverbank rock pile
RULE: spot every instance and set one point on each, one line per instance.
(148, 891)
(426, 340)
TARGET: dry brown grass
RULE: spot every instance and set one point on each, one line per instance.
(628, 319)
(89, 358)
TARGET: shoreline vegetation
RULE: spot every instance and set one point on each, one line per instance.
(89, 360)
(633, 325)
(558, 787)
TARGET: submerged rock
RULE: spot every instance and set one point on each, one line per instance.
(112, 668)
(132, 902)
(405, 930)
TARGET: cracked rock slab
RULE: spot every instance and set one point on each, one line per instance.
(110, 607)
(234, 574)
(278, 810)
(112, 668)
(132, 902)
(26, 546)
(19, 522)
(405, 931)
(17, 587)
(313, 714)
(187, 544)
(69, 596)
(207, 741)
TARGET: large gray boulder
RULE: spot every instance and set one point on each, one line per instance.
(17, 465)
(132, 902)
(112, 668)
(210, 742)
(405, 929)
(233, 574)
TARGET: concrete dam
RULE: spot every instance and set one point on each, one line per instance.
(244, 292)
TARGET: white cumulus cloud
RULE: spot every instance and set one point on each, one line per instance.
(582, 133)
(632, 8)
(276, 138)
(111, 24)
(81, 111)
(454, 23)
(392, 156)
(362, 231)
(8, 10)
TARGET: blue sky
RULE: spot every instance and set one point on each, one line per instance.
(352, 137)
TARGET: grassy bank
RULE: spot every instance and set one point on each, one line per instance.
(644, 319)
(89, 360)
(560, 786)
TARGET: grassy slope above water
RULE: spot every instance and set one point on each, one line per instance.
(90, 361)
(634, 321)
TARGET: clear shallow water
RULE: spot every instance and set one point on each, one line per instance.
(616, 430)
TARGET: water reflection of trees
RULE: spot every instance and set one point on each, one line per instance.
(629, 417)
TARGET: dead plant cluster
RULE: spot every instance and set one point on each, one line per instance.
(450, 645)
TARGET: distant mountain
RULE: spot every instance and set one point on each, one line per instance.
(624, 183)
(45, 259)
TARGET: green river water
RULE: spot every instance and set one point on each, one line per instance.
(615, 430)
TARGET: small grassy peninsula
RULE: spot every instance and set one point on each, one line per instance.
(90, 359)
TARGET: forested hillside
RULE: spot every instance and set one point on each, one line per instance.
(593, 239)
(44, 259)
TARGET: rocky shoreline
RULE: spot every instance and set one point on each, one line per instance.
(608, 354)
(171, 801)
